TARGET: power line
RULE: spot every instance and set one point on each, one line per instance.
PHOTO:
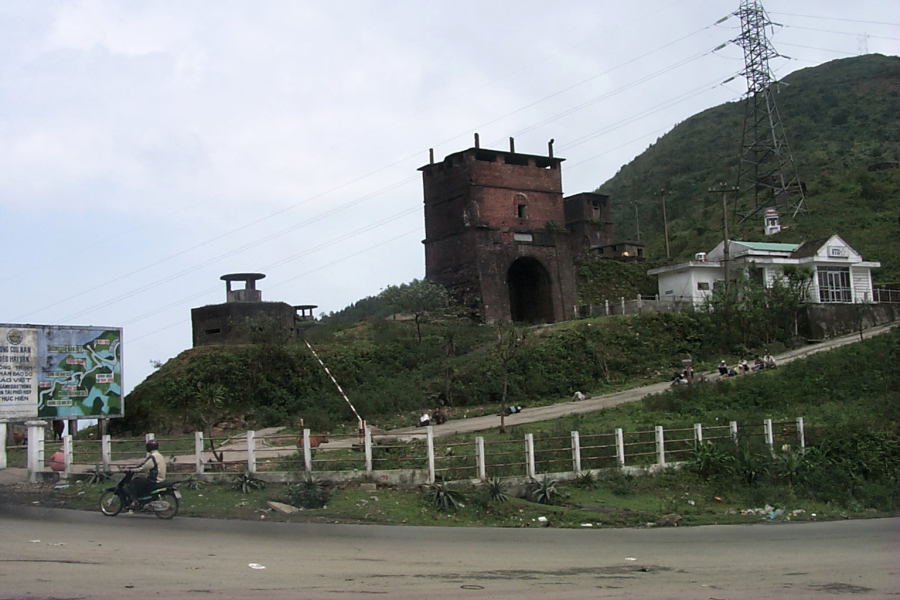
(184, 272)
(850, 33)
(838, 19)
(282, 211)
(365, 250)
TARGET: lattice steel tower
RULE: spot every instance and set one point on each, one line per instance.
(766, 174)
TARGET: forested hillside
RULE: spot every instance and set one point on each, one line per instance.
(840, 119)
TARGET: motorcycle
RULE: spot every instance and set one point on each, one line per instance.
(163, 500)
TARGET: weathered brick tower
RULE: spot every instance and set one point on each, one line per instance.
(495, 234)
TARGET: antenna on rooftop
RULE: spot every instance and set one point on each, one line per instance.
(766, 173)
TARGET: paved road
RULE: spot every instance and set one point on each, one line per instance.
(70, 554)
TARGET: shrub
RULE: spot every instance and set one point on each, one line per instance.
(308, 493)
(586, 480)
(708, 460)
(749, 465)
(619, 482)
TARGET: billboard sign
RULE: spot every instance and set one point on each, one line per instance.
(60, 372)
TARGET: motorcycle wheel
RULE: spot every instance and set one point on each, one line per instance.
(172, 510)
(111, 504)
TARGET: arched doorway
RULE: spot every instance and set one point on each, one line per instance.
(530, 293)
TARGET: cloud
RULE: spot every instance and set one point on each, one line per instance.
(150, 147)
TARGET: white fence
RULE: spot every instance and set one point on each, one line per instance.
(409, 458)
(636, 305)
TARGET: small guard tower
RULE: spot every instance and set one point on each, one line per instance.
(245, 319)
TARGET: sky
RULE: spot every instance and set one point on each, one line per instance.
(150, 147)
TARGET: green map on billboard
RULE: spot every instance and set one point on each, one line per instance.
(60, 372)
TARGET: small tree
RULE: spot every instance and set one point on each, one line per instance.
(418, 297)
(748, 312)
(509, 339)
(788, 295)
(207, 406)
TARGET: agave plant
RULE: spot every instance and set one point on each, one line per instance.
(444, 497)
(246, 482)
(192, 483)
(496, 490)
(545, 491)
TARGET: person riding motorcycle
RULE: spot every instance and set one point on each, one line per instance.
(155, 467)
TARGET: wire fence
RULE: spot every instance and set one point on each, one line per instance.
(414, 457)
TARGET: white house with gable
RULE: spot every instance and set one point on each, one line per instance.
(840, 275)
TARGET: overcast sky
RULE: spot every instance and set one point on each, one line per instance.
(146, 148)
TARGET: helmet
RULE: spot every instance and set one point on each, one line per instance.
(152, 445)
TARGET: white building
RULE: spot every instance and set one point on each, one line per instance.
(840, 273)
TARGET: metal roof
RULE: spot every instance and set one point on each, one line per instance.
(769, 246)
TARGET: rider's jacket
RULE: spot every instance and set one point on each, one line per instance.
(154, 466)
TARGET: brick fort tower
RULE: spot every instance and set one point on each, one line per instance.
(496, 236)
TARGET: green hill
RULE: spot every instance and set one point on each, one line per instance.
(840, 118)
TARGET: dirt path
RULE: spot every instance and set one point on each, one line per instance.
(554, 411)
(236, 450)
(594, 403)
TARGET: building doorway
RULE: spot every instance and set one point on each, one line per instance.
(530, 292)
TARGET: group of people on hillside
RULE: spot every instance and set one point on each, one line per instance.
(743, 367)
(435, 417)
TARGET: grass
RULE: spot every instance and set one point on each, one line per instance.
(848, 398)
(613, 501)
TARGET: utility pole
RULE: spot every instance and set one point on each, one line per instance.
(724, 189)
(662, 195)
(637, 221)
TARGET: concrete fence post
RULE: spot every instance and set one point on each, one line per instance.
(530, 469)
(429, 442)
(606, 307)
(620, 447)
(251, 451)
(733, 428)
(801, 435)
(3, 445)
(698, 433)
(105, 451)
(307, 452)
(622, 303)
(660, 446)
(640, 302)
(67, 454)
(198, 452)
(480, 458)
(770, 438)
(35, 451)
(367, 443)
(576, 453)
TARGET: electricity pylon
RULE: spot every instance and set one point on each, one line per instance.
(766, 174)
